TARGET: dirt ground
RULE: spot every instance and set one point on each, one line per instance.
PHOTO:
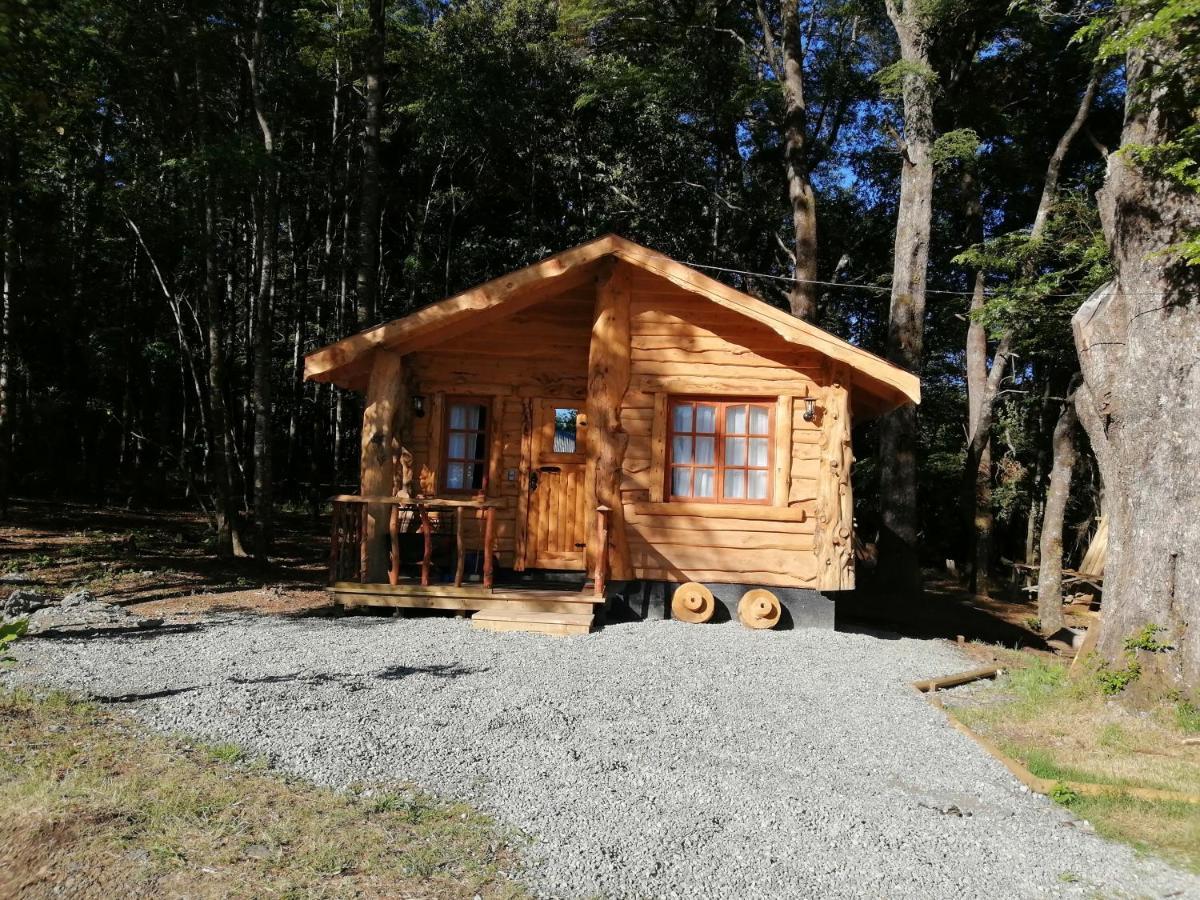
(158, 563)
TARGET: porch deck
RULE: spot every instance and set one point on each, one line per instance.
(545, 608)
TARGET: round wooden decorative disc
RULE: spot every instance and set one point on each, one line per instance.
(692, 602)
(759, 608)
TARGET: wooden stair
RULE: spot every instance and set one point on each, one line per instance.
(538, 622)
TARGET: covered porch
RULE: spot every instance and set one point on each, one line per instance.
(413, 553)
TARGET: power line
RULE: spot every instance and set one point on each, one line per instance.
(858, 285)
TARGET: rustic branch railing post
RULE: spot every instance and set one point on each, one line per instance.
(601, 573)
(459, 549)
(427, 556)
(394, 532)
(489, 539)
(335, 543)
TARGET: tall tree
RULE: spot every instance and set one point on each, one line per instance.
(913, 21)
(265, 298)
(1137, 337)
(370, 192)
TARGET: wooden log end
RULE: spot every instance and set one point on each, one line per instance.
(692, 602)
(759, 609)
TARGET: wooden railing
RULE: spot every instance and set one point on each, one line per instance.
(348, 544)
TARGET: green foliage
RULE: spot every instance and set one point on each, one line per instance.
(1113, 681)
(959, 145)
(9, 633)
(1147, 639)
(1063, 794)
(892, 78)
(1039, 283)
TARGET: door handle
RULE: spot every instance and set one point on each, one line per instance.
(533, 481)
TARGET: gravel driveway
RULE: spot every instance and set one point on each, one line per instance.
(647, 760)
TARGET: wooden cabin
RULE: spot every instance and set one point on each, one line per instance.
(609, 415)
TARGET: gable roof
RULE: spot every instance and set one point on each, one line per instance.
(347, 362)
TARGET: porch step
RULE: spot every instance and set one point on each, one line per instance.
(527, 620)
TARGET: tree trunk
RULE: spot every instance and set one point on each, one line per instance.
(977, 475)
(1136, 338)
(369, 197)
(802, 298)
(264, 301)
(1050, 599)
(898, 559)
(221, 451)
(9, 248)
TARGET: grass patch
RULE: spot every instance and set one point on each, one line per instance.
(90, 803)
(1069, 729)
(1171, 830)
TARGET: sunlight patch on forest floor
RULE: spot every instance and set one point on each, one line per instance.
(158, 563)
(1065, 729)
(91, 804)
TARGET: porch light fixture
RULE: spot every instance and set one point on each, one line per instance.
(418, 405)
(810, 408)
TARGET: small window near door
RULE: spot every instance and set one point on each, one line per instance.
(720, 451)
(566, 430)
(466, 446)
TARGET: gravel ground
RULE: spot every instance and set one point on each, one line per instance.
(647, 760)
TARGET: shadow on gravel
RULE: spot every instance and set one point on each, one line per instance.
(137, 698)
(137, 632)
(394, 673)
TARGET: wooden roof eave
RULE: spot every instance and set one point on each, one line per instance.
(892, 385)
(342, 363)
(346, 363)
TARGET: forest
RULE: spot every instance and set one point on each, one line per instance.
(195, 193)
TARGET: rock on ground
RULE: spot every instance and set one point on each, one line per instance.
(652, 759)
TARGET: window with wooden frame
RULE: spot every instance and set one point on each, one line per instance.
(720, 450)
(466, 443)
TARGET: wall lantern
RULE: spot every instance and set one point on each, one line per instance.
(810, 408)
(418, 404)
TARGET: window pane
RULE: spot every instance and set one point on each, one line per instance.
(735, 484)
(705, 480)
(735, 451)
(735, 420)
(458, 446)
(473, 415)
(565, 430)
(477, 476)
(706, 418)
(458, 416)
(454, 476)
(758, 451)
(759, 418)
(681, 417)
(681, 450)
(706, 450)
(757, 486)
(478, 446)
(681, 482)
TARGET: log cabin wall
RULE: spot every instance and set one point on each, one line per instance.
(539, 352)
(680, 344)
(683, 345)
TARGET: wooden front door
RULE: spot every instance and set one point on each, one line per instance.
(556, 527)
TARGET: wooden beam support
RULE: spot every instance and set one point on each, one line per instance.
(835, 497)
(608, 380)
(383, 419)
